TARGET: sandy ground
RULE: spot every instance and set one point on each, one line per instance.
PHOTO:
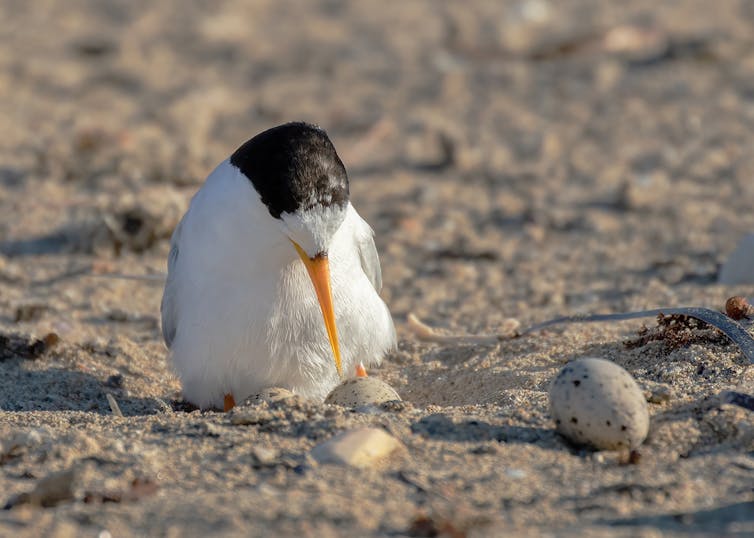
(517, 159)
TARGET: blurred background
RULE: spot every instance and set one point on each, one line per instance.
(596, 147)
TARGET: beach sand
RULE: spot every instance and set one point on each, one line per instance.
(523, 160)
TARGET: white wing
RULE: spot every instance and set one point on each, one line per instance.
(370, 260)
(168, 306)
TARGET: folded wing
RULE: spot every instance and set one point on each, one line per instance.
(168, 307)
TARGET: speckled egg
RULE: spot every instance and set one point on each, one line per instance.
(362, 391)
(596, 402)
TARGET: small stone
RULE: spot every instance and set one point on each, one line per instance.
(210, 429)
(396, 406)
(660, 394)
(269, 395)
(264, 457)
(246, 417)
(363, 447)
(51, 340)
(368, 409)
(634, 457)
(737, 307)
(510, 326)
(362, 391)
(485, 449)
(515, 473)
(637, 43)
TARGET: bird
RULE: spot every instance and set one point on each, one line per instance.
(273, 277)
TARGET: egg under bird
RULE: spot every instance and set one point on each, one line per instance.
(273, 277)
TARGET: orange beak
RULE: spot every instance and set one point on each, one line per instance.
(319, 272)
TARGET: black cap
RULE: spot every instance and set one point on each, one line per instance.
(293, 167)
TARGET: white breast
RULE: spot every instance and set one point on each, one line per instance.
(243, 310)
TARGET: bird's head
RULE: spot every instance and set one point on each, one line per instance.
(300, 178)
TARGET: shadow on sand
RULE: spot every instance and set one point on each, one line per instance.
(441, 427)
(60, 389)
(719, 521)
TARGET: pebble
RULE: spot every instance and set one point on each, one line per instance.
(244, 417)
(361, 392)
(264, 457)
(515, 473)
(596, 402)
(737, 307)
(659, 394)
(362, 448)
(209, 429)
(368, 410)
(269, 395)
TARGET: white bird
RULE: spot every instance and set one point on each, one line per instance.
(269, 248)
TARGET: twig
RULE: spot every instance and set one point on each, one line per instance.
(429, 334)
(729, 327)
(113, 405)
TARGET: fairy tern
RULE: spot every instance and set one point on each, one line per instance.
(273, 277)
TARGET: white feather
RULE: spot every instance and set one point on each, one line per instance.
(239, 312)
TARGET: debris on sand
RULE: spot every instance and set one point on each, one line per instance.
(676, 331)
(682, 327)
(25, 347)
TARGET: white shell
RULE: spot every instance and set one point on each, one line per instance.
(362, 391)
(596, 402)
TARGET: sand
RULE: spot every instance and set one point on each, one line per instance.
(520, 160)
